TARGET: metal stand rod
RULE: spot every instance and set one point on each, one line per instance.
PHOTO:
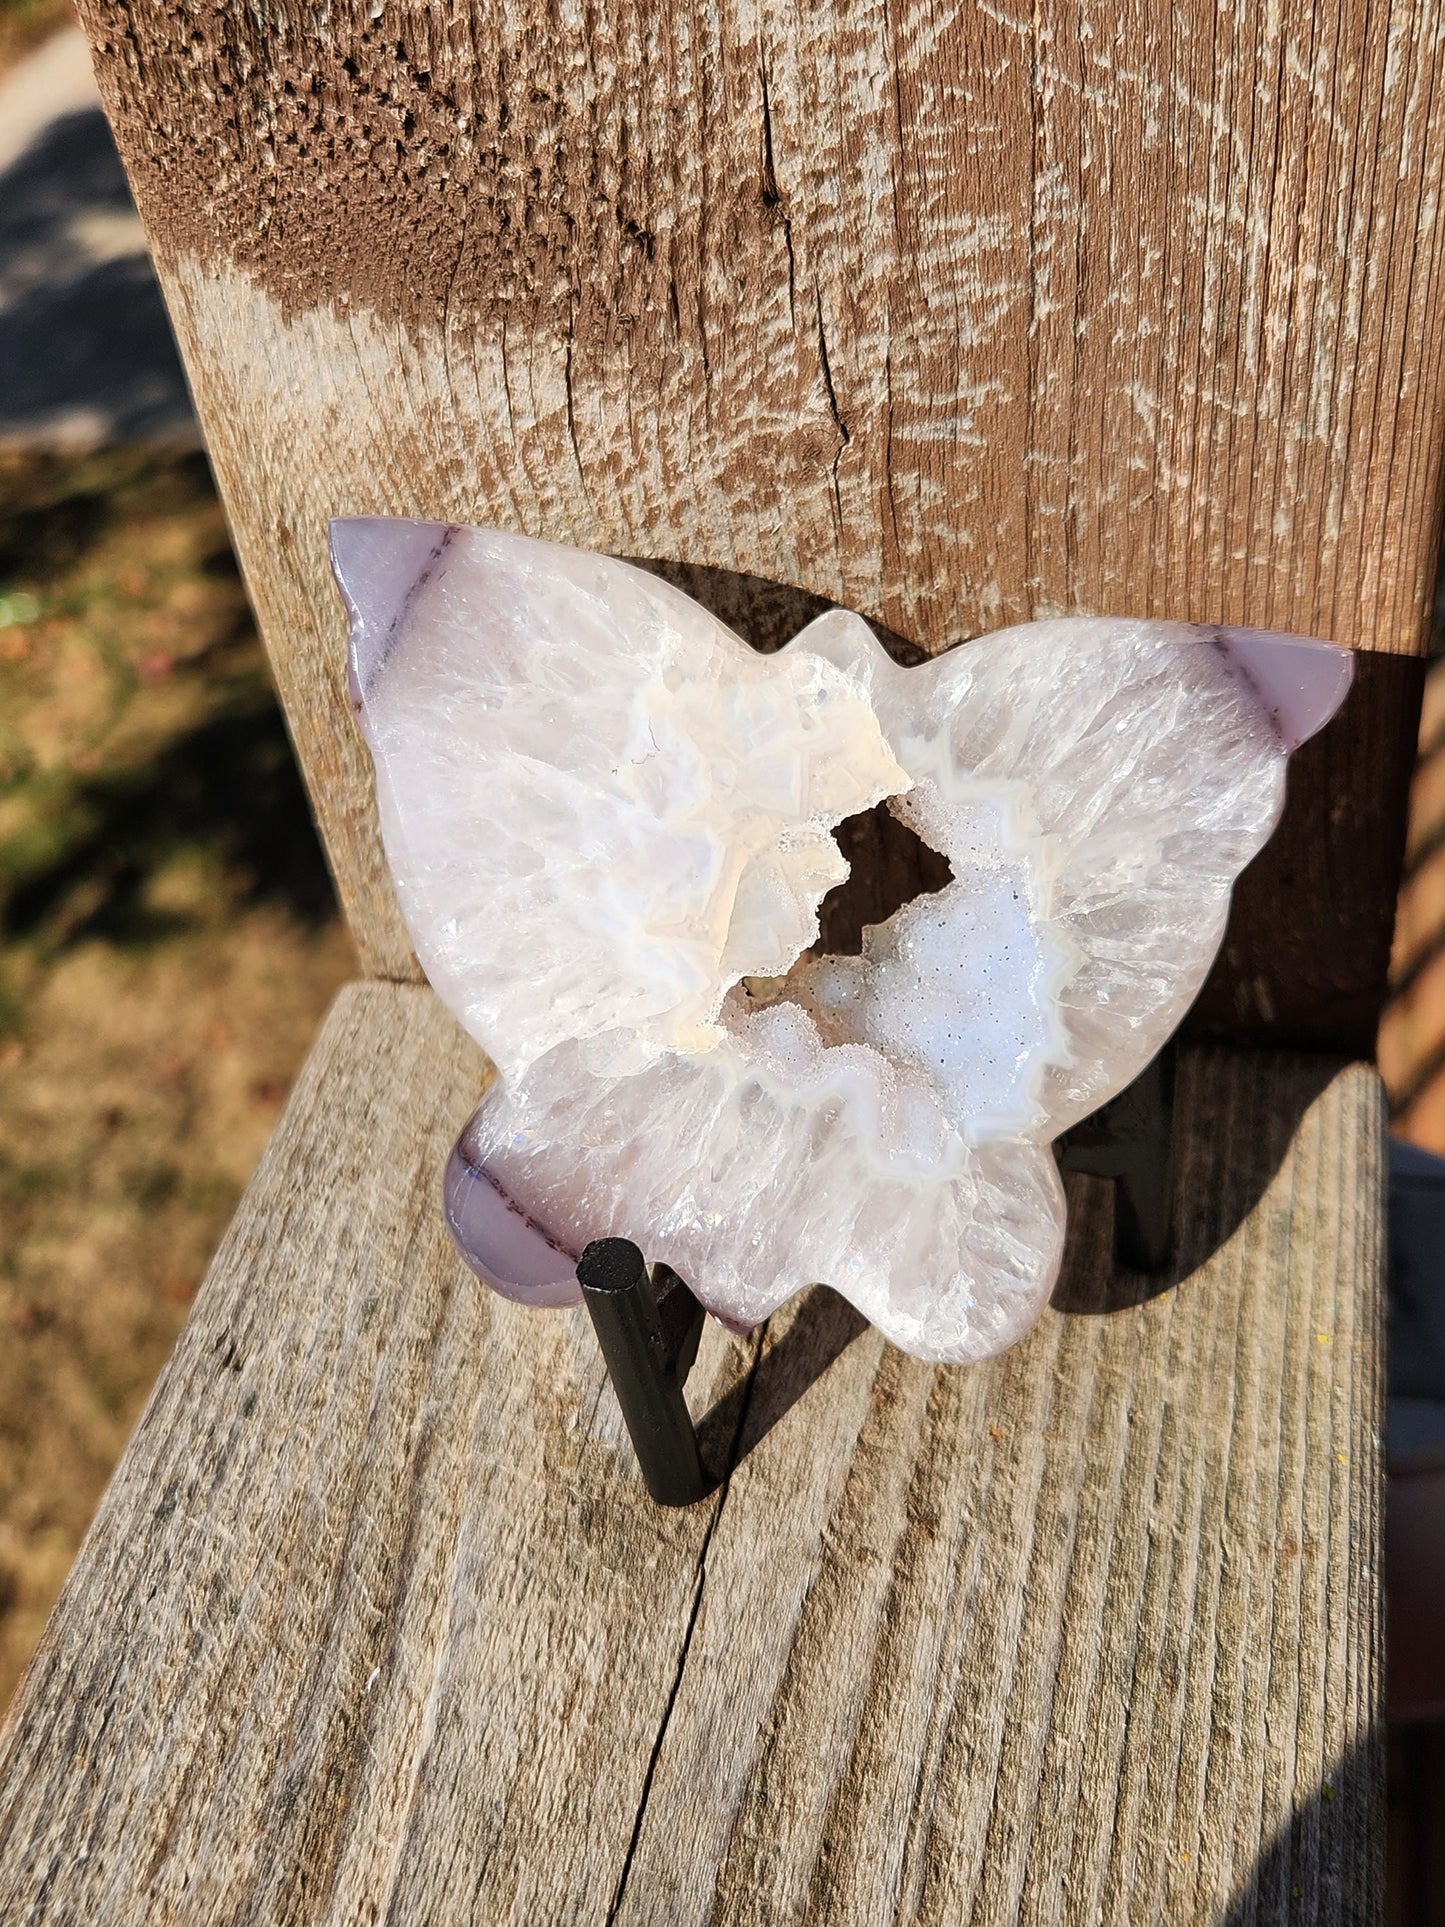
(648, 1327)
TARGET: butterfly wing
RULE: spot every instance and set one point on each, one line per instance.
(600, 808)
(1140, 767)
(769, 1165)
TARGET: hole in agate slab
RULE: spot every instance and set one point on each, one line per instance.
(889, 865)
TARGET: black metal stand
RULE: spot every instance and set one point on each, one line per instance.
(648, 1323)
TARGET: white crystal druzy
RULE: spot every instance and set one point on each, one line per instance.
(610, 823)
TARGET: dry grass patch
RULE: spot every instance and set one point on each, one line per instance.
(168, 943)
(28, 24)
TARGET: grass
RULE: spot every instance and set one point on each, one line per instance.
(168, 943)
(26, 24)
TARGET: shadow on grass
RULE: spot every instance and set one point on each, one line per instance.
(85, 345)
(229, 788)
(55, 508)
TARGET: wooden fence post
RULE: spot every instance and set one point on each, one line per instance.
(956, 317)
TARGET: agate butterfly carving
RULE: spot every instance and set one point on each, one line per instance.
(610, 826)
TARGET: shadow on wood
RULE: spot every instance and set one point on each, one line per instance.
(1317, 1869)
(822, 1331)
(1415, 1871)
(765, 614)
(1216, 1185)
(1306, 956)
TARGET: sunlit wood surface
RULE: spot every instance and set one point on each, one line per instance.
(377, 1621)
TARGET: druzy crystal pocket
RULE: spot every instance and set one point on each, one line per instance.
(610, 826)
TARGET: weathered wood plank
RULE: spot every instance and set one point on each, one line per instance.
(376, 1621)
(1085, 1632)
(957, 315)
(374, 1576)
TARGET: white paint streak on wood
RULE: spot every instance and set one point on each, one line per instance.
(1036, 310)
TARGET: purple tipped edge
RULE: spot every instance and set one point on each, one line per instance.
(1299, 680)
(500, 1243)
(379, 562)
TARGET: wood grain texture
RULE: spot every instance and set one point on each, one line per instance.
(376, 1622)
(957, 315)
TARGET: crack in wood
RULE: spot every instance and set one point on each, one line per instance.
(734, 1453)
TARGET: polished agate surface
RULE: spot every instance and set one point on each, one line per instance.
(610, 825)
